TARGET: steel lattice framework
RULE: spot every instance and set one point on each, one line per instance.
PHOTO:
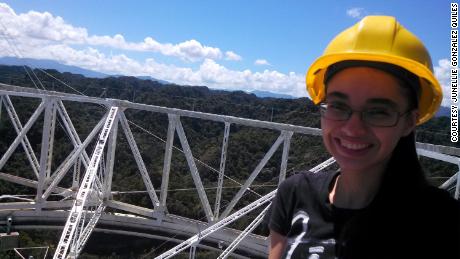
(83, 203)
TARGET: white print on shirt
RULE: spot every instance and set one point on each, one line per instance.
(317, 247)
(305, 218)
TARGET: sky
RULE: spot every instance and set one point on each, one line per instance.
(239, 45)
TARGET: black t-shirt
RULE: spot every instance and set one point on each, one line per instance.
(425, 224)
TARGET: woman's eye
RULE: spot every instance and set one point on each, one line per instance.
(338, 107)
(379, 112)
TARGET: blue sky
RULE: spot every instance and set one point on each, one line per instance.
(245, 45)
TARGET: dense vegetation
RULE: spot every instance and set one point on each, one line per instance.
(247, 145)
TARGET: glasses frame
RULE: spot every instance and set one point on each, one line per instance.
(323, 109)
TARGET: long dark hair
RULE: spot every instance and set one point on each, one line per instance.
(404, 172)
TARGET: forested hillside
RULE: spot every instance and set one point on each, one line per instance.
(247, 145)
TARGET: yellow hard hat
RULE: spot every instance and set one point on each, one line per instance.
(380, 39)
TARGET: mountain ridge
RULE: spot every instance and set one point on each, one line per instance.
(62, 68)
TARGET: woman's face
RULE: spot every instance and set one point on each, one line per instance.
(357, 146)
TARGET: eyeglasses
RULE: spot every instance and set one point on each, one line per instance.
(376, 116)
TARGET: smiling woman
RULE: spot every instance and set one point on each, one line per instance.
(374, 84)
(362, 143)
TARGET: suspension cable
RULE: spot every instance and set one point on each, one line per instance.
(16, 52)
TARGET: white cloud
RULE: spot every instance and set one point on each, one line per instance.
(442, 73)
(42, 36)
(216, 75)
(44, 28)
(230, 55)
(261, 62)
(37, 26)
(209, 73)
(193, 50)
(356, 12)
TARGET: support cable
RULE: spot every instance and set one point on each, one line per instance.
(17, 53)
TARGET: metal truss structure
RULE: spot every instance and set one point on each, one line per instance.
(83, 204)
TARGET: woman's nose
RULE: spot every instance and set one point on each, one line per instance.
(355, 126)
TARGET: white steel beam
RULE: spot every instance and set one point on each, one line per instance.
(28, 92)
(323, 165)
(111, 146)
(145, 212)
(25, 142)
(285, 156)
(68, 125)
(220, 180)
(89, 228)
(75, 139)
(69, 161)
(38, 93)
(167, 160)
(445, 158)
(457, 187)
(244, 234)
(254, 174)
(194, 171)
(438, 156)
(59, 173)
(140, 162)
(33, 205)
(19, 138)
(192, 252)
(98, 184)
(51, 137)
(223, 118)
(1, 106)
(220, 224)
(76, 173)
(450, 181)
(46, 149)
(31, 183)
(74, 219)
(454, 151)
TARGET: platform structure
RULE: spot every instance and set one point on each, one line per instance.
(82, 206)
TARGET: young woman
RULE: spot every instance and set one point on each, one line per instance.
(374, 84)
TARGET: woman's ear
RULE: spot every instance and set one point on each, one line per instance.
(410, 122)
